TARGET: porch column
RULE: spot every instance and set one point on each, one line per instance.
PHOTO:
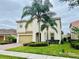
(17, 38)
(4, 37)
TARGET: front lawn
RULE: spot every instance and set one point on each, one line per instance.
(9, 57)
(53, 49)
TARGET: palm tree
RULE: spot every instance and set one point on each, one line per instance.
(75, 30)
(48, 22)
(38, 9)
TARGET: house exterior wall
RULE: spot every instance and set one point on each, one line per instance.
(73, 35)
(57, 35)
(34, 28)
(23, 34)
(19, 28)
(25, 38)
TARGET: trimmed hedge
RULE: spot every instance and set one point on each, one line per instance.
(3, 42)
(36, 44)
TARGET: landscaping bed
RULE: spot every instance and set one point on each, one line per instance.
(37, 44)
(9, 57)
(53, 49)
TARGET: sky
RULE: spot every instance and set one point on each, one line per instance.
(11, 10)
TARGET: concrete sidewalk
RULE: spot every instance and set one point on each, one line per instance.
(30, 55)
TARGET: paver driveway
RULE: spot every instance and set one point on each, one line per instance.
(7, 46)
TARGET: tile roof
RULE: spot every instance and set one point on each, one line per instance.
(75, 23)
(7, 31)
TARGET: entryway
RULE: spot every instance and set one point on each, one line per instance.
(37, 37)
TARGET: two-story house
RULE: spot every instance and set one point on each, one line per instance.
(31, 33)
(73, 24)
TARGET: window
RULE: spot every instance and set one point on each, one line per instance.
(21, 26)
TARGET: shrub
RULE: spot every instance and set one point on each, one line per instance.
(36, 44)
(53, 41)
(11, 38)
(64, 40)
(3, 42)
(75, 44)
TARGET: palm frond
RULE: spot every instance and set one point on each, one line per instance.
(26, 11)
(75, 30)
(54, 28)
(44, 8)
(52, 22)
(43, 26)
(47, 2)
(45, 17)
(42, 20)
(51, 14)
(28, 22)
(26, 8)
(36, 7)
(49, 21)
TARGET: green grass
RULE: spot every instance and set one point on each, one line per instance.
(9, 57)
(53, 49)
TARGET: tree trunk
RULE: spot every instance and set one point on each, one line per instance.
(39, 40)
(47, 35)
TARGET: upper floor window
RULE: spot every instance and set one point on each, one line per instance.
(21, 26)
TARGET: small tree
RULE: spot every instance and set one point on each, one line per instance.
(48, 22)
(11, 38)
(75, 30)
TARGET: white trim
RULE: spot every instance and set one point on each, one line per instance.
(4, 37)
(17, 38)
(24, 34)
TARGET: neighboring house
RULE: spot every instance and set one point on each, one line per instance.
(31, 33)
(5, 32)
(72, 25)
(66, 36)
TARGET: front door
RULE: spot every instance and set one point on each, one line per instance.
(37, 37)
(52, 36)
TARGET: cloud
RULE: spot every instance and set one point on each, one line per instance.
(3, 26)
(11, 10)
(67, 16)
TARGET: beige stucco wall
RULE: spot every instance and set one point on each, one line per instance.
(34, 28)
(73, 35)
(23, 29)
